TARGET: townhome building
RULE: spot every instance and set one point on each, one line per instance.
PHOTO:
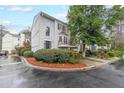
(9, 41)
(118, 33)
(48, 32)
(24, 36)
(12, 41)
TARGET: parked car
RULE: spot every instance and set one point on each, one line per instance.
(88, 53)
(3, 53)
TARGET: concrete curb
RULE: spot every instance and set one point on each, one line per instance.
(66, 69)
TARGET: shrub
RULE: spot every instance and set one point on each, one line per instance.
(111, 54)
(102, 56)
(19, 50)
(23, 50)
(28, 54)
(119, 53)
(101, 53)
(57, 56)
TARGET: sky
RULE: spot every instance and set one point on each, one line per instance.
(16, 18)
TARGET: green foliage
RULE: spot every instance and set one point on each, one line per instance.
(113, 15)
(28, 54)
(92, 24)
(105, 54)
(57, 56)
(119, 49)
(101, 53)
(111, 54)
(19, 50)
(85, 24)
(118, 53)
(23, 50)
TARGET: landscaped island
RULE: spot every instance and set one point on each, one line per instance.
(66, 59)
(53, 58)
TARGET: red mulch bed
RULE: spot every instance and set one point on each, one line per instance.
(33, 61)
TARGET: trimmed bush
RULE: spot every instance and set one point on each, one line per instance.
(19, 50)
(102, 53)
(28, 54)
(57, 56)
(119, 53)
(23, 50)
(111, 54)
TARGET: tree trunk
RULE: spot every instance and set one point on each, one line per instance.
(84, 50)
(81, 48)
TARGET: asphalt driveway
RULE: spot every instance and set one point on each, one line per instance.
(18, 75)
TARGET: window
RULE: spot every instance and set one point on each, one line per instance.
(59, 26)
(66, 40)
(63, 28)
(47, 44)
(60, 38)
(47, 31)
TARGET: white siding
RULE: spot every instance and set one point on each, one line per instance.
(21, 39)
(38, 32)
(35, 33)
(51, 25)
(9, 42)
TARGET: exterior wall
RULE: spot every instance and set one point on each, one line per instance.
(21, 39)
(119, 28)
(56, 36)
(51, 24)
(9, 42)
(118, 35)
(36, 35)
(23, 36)
(38, 32)
(58, 31)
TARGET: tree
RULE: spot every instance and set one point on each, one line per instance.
(85, 25)
(114, 15)
(27, 43)
(91, 24)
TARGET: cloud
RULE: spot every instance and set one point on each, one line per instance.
(61, 16)
(21, 9)
(13, 27)
(6, 22)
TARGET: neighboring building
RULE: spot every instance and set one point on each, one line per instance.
(118, 34)
(24, 35)
(48, 32)
(9, 41)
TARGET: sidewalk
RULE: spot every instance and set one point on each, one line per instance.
(104, 60)
(90, 63)
(95, 62)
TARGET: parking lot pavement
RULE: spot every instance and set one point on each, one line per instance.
(22, 76)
